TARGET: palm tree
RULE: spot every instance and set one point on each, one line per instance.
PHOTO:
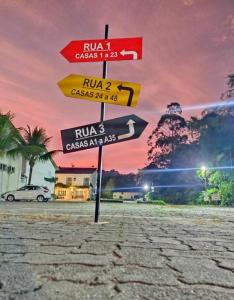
(9, 138)
(34, 147)
(9, 135)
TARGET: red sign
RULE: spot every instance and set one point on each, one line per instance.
(103, 50)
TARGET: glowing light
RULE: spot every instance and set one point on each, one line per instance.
(217, 104)
(182, 169)
(203, 168)
(166, 186)
(146, 187)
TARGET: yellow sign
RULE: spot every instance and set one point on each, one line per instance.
(100, 90)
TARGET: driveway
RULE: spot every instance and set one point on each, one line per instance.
(137, 251)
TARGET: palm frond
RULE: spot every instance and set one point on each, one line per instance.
(49, 154)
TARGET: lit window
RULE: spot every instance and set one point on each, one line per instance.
(69, 180)
(86, 181)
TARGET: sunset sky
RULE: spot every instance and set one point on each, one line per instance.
(188, 50)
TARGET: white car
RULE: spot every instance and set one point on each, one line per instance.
(28, 192)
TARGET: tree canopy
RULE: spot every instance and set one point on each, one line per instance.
(170, 133)
(9, 135)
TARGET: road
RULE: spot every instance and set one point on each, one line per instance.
(137, 251)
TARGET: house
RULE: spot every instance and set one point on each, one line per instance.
(10, 173)
(127, 193)
(75, 183)
(14, 173)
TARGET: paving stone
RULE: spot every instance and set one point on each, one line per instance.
(226, 244)
(155, 245)
(167, 240)
(143, 292)
(198, 253)
(139, 256)
(40, 258)
(74, 273)
(97, 247)
(18, 278)
(62, 290)
(226, 264)
(201, 245)
(147, 276)
(202, 271)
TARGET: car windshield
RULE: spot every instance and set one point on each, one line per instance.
(22, 188)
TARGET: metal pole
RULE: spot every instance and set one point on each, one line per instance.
(99, 170)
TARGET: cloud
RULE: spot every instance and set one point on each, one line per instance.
(188, 2)
(28, 11)
(225, 31)
(180, 62)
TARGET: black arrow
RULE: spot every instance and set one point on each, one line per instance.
(131, 92)
(107, 132)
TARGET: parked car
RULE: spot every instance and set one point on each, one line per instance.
(141, 200)
(131, 201)
(28, 192)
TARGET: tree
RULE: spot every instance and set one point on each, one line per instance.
(107, 192)
(9, 135)
(174, 147)
(113, 179)
(171, 131)
(229, 93)
(9, 138)
(222, 183)
(34, 147)
(215, 136)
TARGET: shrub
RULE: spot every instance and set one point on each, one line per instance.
(160, 202)
(150, 196)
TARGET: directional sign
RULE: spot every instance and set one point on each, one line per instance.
(102, 133)
(100, 90)
(103, 50)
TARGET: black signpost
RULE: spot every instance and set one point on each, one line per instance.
(105, 132)
(102, 133)
(99, 170)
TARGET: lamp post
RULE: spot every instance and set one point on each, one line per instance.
(204, 175)
(204, 170)
(146, 188)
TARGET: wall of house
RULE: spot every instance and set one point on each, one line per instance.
(72, 193)
(74, 179)
(126, 195)
(40, 171)
(80, 186)
(10, 173)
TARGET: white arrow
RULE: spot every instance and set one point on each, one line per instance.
(131, 132)
(134, 53)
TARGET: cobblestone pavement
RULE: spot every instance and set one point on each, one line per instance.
(54, 251)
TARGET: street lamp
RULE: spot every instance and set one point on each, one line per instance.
(146, 188)
(203, 168)
(204, 175)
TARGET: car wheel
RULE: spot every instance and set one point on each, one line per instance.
(10, 198)
(40, 198)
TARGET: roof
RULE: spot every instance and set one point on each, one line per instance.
(64, 170)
